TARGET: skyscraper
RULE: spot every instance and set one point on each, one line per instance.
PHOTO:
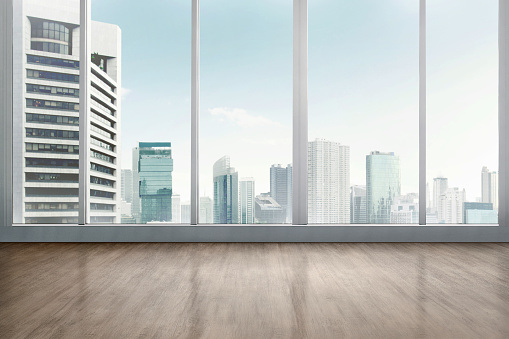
(358, 204)
(489, 187)
(383, 185)
(281, 187)
(206, 211)
(247, 201)
(328, 182)
(155, 167)
(176, 209)
(440, 185)
(46, 105)
(126, 190)
(186, 212)
(226, 192)
(450, 206)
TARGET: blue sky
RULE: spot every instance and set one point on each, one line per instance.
(363, 83)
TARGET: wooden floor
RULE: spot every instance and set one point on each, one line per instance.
(254, 291)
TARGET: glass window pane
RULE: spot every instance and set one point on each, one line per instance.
(363, 112)
(246, 112)
(154, 173)
(462, 112)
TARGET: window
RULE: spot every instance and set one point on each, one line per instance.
(246, 104)
(385, 110)
(462, 112)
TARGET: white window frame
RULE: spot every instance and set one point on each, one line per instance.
(299, 231)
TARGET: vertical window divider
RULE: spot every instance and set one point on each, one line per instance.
(195, 111)
(300, 113)
(503, 109)
(422, 112)
(6, 117)
(84, 73)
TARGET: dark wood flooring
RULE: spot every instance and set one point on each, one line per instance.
(254, 291)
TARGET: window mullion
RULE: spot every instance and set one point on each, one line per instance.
(503, 108)
(84, 163)
(300, 112)
(195, 110)
(422, 112)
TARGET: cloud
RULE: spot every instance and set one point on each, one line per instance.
(240, 117)
(124, 92)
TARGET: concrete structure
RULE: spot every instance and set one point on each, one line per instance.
(489, 187)
(450, 206)
(126, 190)
(268, 211)
(206, 211)
(226, 192)
(358, 204)
(246, 201)
(328, 182)
(154, 173)
(383, 186)
(46, 101)
(281, 187)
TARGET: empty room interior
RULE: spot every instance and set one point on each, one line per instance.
(254, 169)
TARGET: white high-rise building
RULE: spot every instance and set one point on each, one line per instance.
(176, 209)
(206, 211)
(186, 212)
(405, 209)
(328, 182)
(46, 104)
(246, 201)
(489, 187)
(440, 185)
(450, 206)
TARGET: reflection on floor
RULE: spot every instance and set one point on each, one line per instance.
(254, 290)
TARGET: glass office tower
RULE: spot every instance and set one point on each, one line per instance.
(155, 166)
(226, 192)
(383, 181)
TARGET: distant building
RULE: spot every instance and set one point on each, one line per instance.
(405, 209)
(246, 201)
(358, 204)
(268, 211)
(489, 187)
(125, 208)
(328, 182)
(176, 209)
(126, 189)
(479, 213)
(154, 172)
(206, 211)
(281, 187)
(481, 217)
(450, 207)
(186, 212)
(226, 192)
(440, 185)
(383, 186)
